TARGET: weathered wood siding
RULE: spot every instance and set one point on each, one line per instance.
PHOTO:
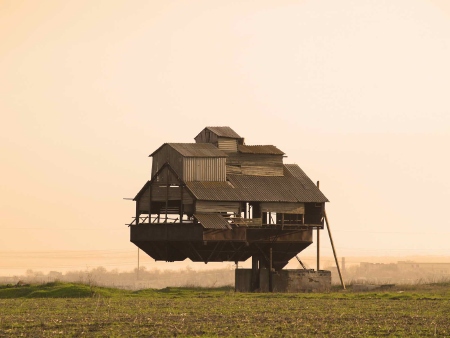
(206, 136)
(204, 169)
(285, 208)
(227, 144)
(314, 213)
(188, 168)
(255, 164)
(159, 194)
(216, 206)
(166, 176)
(223, 143)
(167, 154)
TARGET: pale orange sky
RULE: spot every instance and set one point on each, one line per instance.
(355, 92)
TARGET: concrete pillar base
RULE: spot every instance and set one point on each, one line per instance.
(292, 280)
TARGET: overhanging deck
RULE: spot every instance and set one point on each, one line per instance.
(178, 241)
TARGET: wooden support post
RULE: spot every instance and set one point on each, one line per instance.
(150, 204)
(318, 240)
(181, 204)
(334, 251)
(138, 266)
(318, 249)
(270, 271)
(138, 214)
(255, 274)
(167, 193)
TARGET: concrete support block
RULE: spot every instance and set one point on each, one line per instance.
(285, 280)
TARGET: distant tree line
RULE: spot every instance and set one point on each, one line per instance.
(132, 280)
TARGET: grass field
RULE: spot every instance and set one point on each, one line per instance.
(77, 310)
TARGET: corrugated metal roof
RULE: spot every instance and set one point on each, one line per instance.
(212, 221)
(260, 149)
(294, 186)
(195, 149)
(224, 132)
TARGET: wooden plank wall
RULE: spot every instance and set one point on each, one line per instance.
(206, 136)
(227, 144)
(255, 164)
(314, 213)
(286, 208)
(216, 206)
(160, 191)
(167, 154)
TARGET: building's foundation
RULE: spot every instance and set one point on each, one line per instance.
(289, 280)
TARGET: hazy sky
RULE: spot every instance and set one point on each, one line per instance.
(355, 92)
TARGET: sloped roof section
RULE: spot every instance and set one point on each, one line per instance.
(212, 221)
(294, 186)
(259, 149)
(224, 132)
(195, 149)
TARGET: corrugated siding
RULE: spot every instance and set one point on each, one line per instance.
(286, 208)
(216, 206)
(260, 149)
(204, 169)
(197, 150)
(224, 132)
(212, 221)
(255, 164)
(227, 144)
(246, 188)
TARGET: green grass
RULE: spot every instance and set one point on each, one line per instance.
(66, 309)
(57, 290)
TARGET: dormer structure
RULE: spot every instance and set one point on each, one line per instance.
(224, 138)
(191, 161)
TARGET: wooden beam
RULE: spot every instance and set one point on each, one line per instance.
(270, 270)
(150, 204)
(138, 213)
(334, 251)
(181, 203)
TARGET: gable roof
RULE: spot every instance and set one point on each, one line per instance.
(194, 149)
(294, 186)
(224, 132)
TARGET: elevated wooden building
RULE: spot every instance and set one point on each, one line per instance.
(219, 199)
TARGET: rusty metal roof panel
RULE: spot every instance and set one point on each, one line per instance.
(195, 149)
(212, 221)
(308, 190)
(294, 186)
(224, 132)
(260, 149)
(214, 191)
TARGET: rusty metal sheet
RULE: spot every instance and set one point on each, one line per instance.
(224, 132)
(212, 221)
(294, 186)
(260, 149)
(194, 149)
